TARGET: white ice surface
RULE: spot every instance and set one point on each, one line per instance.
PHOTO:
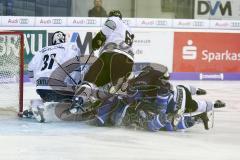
(28, 140)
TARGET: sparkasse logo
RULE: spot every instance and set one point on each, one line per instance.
(206, 52)
(189, 52)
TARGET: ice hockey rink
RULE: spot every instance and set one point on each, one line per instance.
(22, 139)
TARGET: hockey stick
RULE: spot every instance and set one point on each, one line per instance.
(87, 59)
(64, 70)
(81, 69)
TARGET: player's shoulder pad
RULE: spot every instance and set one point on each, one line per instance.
(110, 24)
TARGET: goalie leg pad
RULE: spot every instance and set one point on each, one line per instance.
(45, 112)
(28, 113)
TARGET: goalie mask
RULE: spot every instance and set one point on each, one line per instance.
(58, 37)
(115, 13)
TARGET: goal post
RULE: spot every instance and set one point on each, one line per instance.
(11, 71)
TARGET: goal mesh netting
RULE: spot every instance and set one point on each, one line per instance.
(11, 71)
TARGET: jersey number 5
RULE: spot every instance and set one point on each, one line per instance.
(48, 63)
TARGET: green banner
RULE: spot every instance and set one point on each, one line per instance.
(34, 40)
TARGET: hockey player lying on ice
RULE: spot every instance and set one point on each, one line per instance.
(155, 105)
(151, 103)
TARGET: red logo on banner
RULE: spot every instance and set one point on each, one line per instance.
(206, 52)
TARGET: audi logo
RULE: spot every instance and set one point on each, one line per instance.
(219, 24)
(23, 21)
(56, 21)
(198, 24)
(235, 24)
(162, 23)
(91, 21)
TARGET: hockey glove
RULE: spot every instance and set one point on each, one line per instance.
(98, 41)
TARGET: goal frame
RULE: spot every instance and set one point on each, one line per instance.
(21, 67)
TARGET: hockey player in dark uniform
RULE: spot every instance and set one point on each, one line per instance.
(157, 105)
(115, 62)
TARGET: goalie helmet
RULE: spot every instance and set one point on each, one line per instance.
(115, 13)
(58, 37)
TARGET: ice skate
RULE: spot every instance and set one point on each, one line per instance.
(27, 113)
(203, 116)
(207, 117)
(201, 91)
(46, 112)
(219, 104)
(38, 113)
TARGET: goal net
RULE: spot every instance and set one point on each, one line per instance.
(11, 71)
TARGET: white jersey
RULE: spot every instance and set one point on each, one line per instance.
(119, 37)
(43, 67)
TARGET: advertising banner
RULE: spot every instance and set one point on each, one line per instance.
(83, 21)
(206, 52)
(151, 23)
(190, 23)
(34, 40)
(155, 46)
(14, 21)
(51, 21)
(225, 24)
(217, 9)
(202, 21)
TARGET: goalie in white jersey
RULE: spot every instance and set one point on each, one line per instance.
(116, 57)
(50, 67)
